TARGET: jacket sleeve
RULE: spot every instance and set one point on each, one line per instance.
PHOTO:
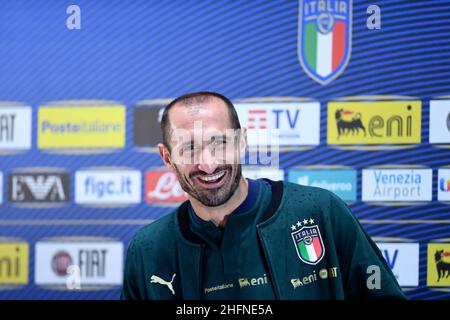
(365, 273)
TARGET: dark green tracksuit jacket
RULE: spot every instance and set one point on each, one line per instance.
(312, 245)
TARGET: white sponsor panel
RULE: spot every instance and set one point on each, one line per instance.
(286, 123)
(108, 187)
(403, 259)
(259, 173)
(15, 128)
(443, 185)
(99, 263)
(397, 185)
(440, 121)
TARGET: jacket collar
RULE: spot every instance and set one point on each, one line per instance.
(183, 212)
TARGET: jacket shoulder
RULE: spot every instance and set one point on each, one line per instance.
(307, 193)
(157, 233)
(313, 200)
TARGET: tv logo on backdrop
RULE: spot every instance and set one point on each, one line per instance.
(403, 259)
(325, 38)
(396, 185)
(38, 186)
(341, 182)
(374, 122)
(98, 262)
(15, 127)
(107, 186)
(287, 124)
(14, 263)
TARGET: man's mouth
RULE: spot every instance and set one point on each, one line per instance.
(212, 180)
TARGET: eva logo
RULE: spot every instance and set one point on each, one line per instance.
(325, 38)
(38, 186)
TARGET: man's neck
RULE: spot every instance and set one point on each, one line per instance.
(218, 215)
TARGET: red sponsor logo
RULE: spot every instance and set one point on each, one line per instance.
(257, 119)
(163, 187)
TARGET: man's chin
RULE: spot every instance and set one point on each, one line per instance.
(211, 198)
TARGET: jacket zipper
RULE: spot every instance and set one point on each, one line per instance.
(200, 276)
(269, 265)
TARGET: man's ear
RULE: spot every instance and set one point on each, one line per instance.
(165, 156)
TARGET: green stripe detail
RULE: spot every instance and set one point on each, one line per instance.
(303, 251)
(310, 45)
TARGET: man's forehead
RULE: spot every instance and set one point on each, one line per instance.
(202, 134)
(207, 113)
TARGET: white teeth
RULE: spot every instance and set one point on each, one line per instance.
(212, 178)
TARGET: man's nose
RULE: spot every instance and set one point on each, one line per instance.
(208, 162)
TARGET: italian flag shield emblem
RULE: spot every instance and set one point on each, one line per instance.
(309, 245)
(324, 38)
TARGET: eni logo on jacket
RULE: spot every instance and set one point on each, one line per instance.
(308, 241)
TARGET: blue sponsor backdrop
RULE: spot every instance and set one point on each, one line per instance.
(133, 50)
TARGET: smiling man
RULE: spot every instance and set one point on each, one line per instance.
(237, 238)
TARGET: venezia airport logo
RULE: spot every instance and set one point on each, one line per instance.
(396, 184)
(324, 38)
(308, 241)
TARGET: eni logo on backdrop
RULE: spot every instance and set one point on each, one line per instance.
(325, 36)
(13, 263)
(374, 120)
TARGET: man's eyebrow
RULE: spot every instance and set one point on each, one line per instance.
(187, 143)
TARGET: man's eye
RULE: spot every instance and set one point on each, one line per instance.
(219, 142)
(190, 148)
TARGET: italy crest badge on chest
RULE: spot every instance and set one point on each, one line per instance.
(308, 241)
